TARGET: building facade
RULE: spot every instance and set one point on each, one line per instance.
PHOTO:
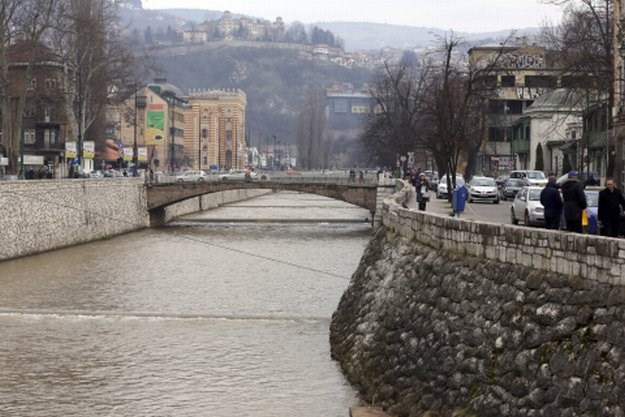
(46, 113)
(547, 132)
(517, 75)
(214, 135)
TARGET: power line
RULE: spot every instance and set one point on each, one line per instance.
(107, 217)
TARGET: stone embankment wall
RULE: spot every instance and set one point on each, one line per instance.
(210, 201)
(37, 216)
(446, 317)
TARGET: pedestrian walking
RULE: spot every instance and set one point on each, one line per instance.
(574, 202)
(611, 208)
(551, 200)
(423, 191)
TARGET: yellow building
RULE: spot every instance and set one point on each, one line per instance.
(214, 129)
(159, 110)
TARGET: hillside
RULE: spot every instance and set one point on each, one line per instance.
(275, 80)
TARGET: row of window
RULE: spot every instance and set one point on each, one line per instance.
(50, 83)
(539, 81)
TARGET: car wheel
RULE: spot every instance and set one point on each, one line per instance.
(513, 217)
(526, 220)
(263, 178)
(496, 201)
(180, 180)
(200, 180)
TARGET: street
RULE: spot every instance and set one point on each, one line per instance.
(487, 212)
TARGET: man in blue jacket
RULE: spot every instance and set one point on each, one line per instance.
(551, 200)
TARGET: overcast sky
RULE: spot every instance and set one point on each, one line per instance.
(459, 15)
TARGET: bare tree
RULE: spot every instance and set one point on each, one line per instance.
(312, 138)
(28, 20)
(392, 127)
(101, 65)
(584, 44)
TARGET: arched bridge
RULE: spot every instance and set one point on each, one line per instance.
(365, 195)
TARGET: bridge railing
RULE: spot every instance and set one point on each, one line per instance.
(320, 177)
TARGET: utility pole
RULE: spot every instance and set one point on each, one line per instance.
(135, 157)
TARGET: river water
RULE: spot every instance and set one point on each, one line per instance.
(223, 313)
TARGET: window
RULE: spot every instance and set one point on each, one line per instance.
(340, 106)
(495, 106)
(204, 133)
(50, 82)
(542, 81)
(29, 136)
(489, 81)
(508, 80)
(514, 107)
(360, 109)
(33, 84)
(49, 137)
(30, 110)
(496, 134)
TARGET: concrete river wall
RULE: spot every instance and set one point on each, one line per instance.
(38, 216)
(446, 317)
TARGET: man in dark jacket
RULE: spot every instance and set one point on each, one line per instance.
(551, 200)
(574, 202)
(611, 201)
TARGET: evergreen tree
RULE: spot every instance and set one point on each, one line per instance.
(566, 164)
(540, 163)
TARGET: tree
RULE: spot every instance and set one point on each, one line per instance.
(393, 127)
(103, 68)
(296, 33)
(540, 164)
(29, 20)
(313, 144)
(584, 44)
(437, 105)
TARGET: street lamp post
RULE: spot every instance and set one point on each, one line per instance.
(135, 158)
(273, 153)
(619, 120)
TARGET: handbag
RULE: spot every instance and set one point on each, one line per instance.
(425, 193)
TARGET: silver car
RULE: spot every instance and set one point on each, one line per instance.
(441, 190)
(526, 207)
(483, 189)
(192, 176)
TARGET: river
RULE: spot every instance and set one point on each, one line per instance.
(223, 313)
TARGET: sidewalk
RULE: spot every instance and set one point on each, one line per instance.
(441, 207)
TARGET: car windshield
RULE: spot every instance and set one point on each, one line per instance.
(459, 180)
(536, 175)
(484, 182)
(534, 194)
(592, 198)
(515, 182)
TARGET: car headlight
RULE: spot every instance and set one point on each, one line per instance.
(539, 210)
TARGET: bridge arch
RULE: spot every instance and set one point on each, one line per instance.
(160, 196)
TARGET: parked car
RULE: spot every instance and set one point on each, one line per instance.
(527, 208)
(238, 175)
(511, 187)
(530, 177)
(441, 190)
(192, 176)
(483, 189)
(500, 180)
